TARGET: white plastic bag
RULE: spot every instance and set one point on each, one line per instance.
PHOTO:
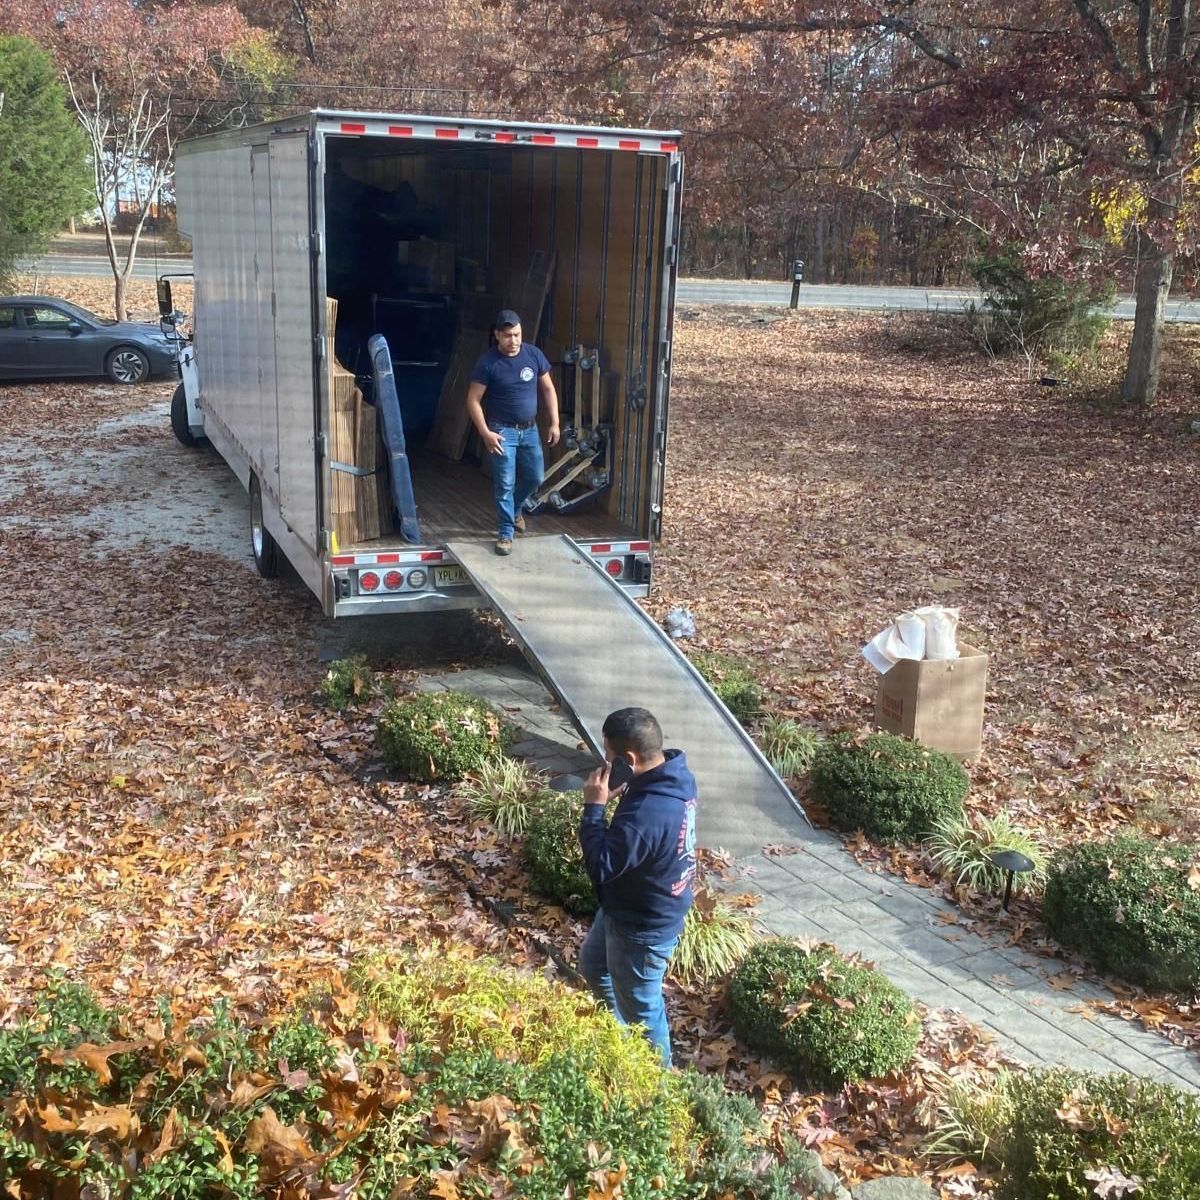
(941, 631)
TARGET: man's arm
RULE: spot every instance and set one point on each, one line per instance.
(549, 399)
(493, 443)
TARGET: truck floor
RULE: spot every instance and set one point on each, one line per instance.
(454, 500)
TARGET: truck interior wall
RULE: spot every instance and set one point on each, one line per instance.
(601, 214)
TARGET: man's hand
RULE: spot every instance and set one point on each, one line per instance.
(552, 436)
(493, 441)
(595, 791)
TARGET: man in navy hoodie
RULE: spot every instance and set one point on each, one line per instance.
(642, 865)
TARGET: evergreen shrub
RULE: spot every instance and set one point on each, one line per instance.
(1129, 907)
(733, 681)
(889, 787)
(441, 736)
(827, 1018)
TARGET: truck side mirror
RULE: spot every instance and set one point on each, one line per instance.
(165, 307)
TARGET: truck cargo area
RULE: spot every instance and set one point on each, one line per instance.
(426, 239)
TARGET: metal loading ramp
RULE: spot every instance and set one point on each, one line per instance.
(597, 651)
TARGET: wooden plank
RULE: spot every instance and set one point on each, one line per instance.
(451, 425)
(366, 487)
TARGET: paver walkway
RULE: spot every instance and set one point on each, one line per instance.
(913, 936)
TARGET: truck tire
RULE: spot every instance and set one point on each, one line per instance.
(263, 546)
(179, 421)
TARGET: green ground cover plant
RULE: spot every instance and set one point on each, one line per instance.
(733, 680)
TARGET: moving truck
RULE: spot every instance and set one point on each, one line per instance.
(314, 233)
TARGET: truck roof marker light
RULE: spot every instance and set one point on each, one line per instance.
(393, 580)
(400, 130)
(506, 137)
(628, 145)
(544, 139)
(342, 560)
(669, 147)
(353, 127)
(588, 143)
(368, 581)
(445, 133)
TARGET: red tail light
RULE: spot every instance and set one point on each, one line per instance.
(368, 581)
(614, 567)
(392, 580)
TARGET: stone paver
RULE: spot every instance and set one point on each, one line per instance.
(821, 892)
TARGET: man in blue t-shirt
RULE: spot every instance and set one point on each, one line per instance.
(502, 402)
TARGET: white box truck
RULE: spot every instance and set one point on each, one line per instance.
(420, 228)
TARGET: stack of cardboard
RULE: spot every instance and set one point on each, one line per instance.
(355, 503)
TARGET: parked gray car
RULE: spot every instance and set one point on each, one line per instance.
(41, 336)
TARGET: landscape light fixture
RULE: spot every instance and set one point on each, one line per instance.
(1011, 861)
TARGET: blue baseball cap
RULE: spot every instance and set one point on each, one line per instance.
(506, 319)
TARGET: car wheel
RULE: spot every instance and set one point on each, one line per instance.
(127, 364)
(262, 544)
(179, 421)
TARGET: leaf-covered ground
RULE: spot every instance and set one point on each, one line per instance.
(177, 813)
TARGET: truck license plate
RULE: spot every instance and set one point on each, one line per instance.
(448, 576)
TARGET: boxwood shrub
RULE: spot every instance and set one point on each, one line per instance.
(553, 857)
(1127, 906)
(1071, 1132)
(827, 1018)
(733, 680)
(440, 735)
(889, 787)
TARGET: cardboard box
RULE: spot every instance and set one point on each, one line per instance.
(939, 703)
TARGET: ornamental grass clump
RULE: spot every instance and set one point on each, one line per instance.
(505, 793)
(1131, 907)
(889, 787)
(716, 937)
(789, 746)
(733, 681)
(961, 849)
(828, 1018)
(1076, 1136)
(441, 736)
(348, 681)
(553, 857)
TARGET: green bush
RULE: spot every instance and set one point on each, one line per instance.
(889, 787)
(716, 937)
(1127, 905)
(441, 735)
(789, 747)
(505, 793)
(348, 681)
(827, 1018)
(1072, 1132)
(1035, 315)
(973, 1120)
(733, 681)
(553, 856)
(732, 1155)
(961, 848)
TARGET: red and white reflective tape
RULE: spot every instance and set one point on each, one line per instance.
(466, 132)
(410, 558)
(619, 547)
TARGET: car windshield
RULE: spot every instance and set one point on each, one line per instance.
(84, 314)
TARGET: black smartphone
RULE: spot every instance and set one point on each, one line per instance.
(619, 774)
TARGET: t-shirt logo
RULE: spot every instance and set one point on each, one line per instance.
(526, 374)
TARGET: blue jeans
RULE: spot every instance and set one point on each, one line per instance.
(628, 977)
(516, 474)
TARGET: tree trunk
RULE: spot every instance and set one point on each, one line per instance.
(121, 284)
(1140, 385)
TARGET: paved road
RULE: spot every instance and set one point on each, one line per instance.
(692, 291)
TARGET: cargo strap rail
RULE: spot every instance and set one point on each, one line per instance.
(597, 650)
